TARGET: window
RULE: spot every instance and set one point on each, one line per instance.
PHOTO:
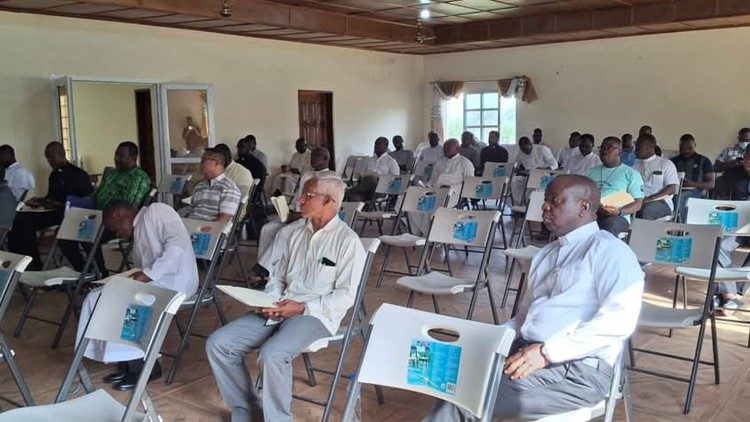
(62, 95)
(480, 113)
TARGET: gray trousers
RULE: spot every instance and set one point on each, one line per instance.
(556, 389)
(654, 209)
(279, 344)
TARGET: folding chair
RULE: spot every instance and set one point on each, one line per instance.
(354, 166)
(455, 227)
(391, 188)
(112, 320)
(256, 191)
(497, 170)
(344, 335)
(4, 231)
(79, 225)
(538, 179)
(619, 390)
(11, 268)
(231, 249)
(487, 189)
(208, 239)
(478, 353)
(172, 184)
(673, 244)
(349, 210)
(419, 202)
(524, 255)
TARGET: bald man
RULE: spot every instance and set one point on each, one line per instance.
(581, 302)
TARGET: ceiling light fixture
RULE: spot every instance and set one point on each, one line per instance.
(225, 10)
(424, 14)
(424, 1)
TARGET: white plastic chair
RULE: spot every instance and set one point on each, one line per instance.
(673, 244)
(392, 189)
(107, 323)
(78, 225)
(349, 210)
(355, 165)
(497, 170)
(172, 186)
(11, 268)
(392, 335)
(455, 227)
(418, 200)
(208, 239)
(487, 189)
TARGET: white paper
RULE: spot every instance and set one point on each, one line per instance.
(249, 297)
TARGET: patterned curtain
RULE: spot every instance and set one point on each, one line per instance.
(519, 87)
(441, 92)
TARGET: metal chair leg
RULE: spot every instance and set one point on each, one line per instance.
(507, 284)
(385, 263)
(435, 304)
(310, 373)
(16, 372)
(493, 307)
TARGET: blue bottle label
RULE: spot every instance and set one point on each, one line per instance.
(484, 189)
(176, 185)
(674, 248)
(546, 180)
(427, 202)
(342, 214)
(434, 365)
(200, 243)
(137, 318)
(729, 220)
(394, 186)
(86, 228)
(465, 230)
(499, 172)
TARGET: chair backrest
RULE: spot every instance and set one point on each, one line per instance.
(461, 227)
(205, 236)
(389, 184)
(11, 267)
(483, 187)
(348, 211)
(354, 166)
(80, 225)
(497, 170)
(472, 362)
(534, 208)
(425, 200)
(541, 178)
(173, 183)
(733, 216)
(674, 244)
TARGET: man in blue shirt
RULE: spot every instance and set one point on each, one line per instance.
(627, 156)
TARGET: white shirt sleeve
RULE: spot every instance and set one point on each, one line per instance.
(670, 173)
(173, 250)
(393, 167)
(275, 286)
(549, 159)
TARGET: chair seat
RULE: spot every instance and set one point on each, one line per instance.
(436, 283)
(48, 278)
(375, 215)
(98, 406)
(722, 274)
(404, 240)
(663, 317)
(524, 254)
(579, 415)
(325, 341)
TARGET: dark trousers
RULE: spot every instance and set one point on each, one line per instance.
(614, 224)
(654, 210)
(76, 252)
(22, 238)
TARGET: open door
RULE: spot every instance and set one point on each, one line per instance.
(64, 123)
(187, 126)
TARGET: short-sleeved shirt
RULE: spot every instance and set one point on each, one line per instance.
(472, 154)
(657, 173)
(214, 197)
(695, 167)
(19, 179)
(261, 156)
(622, 178)
(68, 180)
(130, 186)
(404, 158)
(730, 154)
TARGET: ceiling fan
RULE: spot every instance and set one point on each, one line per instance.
(421, 37)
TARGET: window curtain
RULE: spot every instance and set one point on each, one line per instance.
(519, 87)
(442, 92)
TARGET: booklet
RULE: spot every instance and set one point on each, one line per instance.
(252, 298)
(617, 199)
(434, 365)
(282, 207)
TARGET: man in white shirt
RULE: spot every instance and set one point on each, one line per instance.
(566, 152)
(286, 181)
(431, 136)
(530, 156)
(316, 284)
(581, 302)
(583, 159)
(426, 158)
(452, 169)
(162, 248)
(381, 163)
(660, 180)
(19, 179)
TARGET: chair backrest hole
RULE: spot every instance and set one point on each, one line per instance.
(5, 264)
(443, 334)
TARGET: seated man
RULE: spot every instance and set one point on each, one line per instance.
(581, 302)
(627, 156)
(8, 204)
(660, 180)
(380, 163)
(493, 153)
(256, 167)
(530, 156)
(404, 157)
(427, 158)
(612, 177)
(126, 182)
(452, 169)
(566, 152)
(19, 179)
(647, 130)
(699, 173)
(582, 159)
(260, 155)
(287, 180)
(65, 179)
(468, 149)
(216, 198)
(164, 252)
(241, 176)
(316, 282)
(733, 155)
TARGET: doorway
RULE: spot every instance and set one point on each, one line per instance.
(316, 120)
(145, 123)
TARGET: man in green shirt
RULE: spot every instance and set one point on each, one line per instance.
(612, 177)
(126, 182)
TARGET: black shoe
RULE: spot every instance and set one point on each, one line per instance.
(118, 375)
(131, 379)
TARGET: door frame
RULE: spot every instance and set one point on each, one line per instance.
(332, 151)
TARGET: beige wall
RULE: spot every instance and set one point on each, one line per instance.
(684, 82)
(104, 117)
(255, 81)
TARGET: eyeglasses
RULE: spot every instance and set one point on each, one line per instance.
(308, 195)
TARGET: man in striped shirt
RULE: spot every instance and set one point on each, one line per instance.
(216, 198)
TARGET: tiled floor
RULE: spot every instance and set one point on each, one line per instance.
(194, 396)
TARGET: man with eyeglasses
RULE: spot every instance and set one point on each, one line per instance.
(315, 283)
(612, 177)
(216, 198)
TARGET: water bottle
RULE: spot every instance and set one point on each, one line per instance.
(137, 317)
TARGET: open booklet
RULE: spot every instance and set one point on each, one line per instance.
(254, 299)
(282, 207)
(617, 199)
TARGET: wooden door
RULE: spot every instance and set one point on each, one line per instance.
(316, 120)
(145, 132)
